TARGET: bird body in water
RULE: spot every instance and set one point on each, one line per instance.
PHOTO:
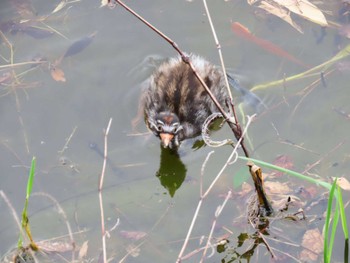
(174, 102)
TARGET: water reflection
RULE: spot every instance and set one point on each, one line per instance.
(172, 171)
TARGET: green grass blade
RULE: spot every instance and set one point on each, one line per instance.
(342, 214)
(290, 172)
(31, 178)
(24, 220)
(326, 251)
(311, 72)
(334, 229)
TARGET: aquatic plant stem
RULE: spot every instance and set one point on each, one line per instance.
(230, 160)
(322, 67)
(25, 219)
(103, 229)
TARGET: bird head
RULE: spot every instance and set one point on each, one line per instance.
(167, 126)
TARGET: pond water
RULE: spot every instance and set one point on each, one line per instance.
(61, 123)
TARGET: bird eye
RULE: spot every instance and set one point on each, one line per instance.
(177, 127)
(159, 125)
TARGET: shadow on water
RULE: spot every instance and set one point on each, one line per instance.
(117, 171)
(172, 171)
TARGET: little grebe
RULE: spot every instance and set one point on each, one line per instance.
(175, 103)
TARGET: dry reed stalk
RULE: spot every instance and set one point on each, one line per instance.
(103, 229)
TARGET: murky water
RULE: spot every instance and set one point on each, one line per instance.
(62, 124)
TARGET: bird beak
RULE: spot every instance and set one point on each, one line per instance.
(166, 138)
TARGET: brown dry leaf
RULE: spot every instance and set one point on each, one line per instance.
(57, 74)
(313, 244)
(294, 201)
(309, 192)
(283, 161)
(304, 9)
(343, 183)
(280, 12)
(134, 235)
(83, 250)
(277, 188)
(57, 247)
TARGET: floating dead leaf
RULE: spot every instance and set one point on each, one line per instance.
(343, 183)
(283, 204)
(83, 250)
(282, 9)
(304, 9)
(283, 161)
(313, 244)
(277, 188)
(57, 74)
(282, 13)
(57, 247)
(307, 192)
(134, 235)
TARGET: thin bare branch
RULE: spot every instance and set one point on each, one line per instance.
(103, 229)
(68, 140)
(217, 214)
(218, 47)
(202, 171)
